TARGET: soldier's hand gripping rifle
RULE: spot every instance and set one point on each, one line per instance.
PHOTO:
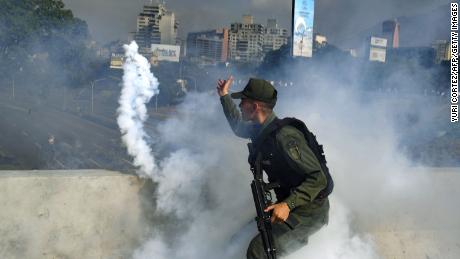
(262, 199)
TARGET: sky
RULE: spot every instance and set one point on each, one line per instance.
(339, 20)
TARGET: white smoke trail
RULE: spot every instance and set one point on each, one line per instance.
(181, 177)
(198, 182)
(139, 86)
(204, 183)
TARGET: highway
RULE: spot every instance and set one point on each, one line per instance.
(35, 135)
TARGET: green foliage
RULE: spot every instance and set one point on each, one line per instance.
(24, 22)
(273, 61)
(44, 29)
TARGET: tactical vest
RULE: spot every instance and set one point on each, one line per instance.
(275, 165)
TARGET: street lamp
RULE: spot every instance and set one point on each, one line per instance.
(13, 86)
(92, 88)
(13, 83)
(92, 92)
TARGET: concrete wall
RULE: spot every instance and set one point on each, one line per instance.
(103, 214)
(69, 214)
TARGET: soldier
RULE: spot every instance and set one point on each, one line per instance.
(288, 159)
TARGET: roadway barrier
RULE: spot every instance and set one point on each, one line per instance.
(105, 214)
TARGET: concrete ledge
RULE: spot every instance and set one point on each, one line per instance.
(69, 214)
(103, 214)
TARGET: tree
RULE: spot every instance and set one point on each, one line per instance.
(274, 60)
(32, 27)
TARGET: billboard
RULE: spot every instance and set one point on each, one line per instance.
(379, 42)
(116, 60)
(162, 52)
(302, 27)
(377, 54)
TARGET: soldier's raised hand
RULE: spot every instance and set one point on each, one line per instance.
(224, 85)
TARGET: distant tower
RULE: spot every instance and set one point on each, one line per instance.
(274, 36)
(156, 25)
(443, 50)
(390, 30)
(208, 47)
(246, 41)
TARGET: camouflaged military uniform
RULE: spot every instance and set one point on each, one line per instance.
(288, 160)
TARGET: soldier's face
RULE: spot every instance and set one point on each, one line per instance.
(247, 108)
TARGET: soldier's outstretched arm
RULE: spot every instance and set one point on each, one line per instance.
(240, 128)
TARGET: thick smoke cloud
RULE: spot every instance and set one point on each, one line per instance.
(204, 183)
(197, 181)
(203, 180)
(191, 184)
(337, 240)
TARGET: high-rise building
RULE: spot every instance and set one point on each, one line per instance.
(156, 25)
(443, 50)
(168, 29)
(208, 47)
(246, 40)
(390, 31)
(274, 37)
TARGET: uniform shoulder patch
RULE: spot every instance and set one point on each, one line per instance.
(289, 137)
(293, 149)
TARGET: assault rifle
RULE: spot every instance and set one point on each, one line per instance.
(262, 199)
